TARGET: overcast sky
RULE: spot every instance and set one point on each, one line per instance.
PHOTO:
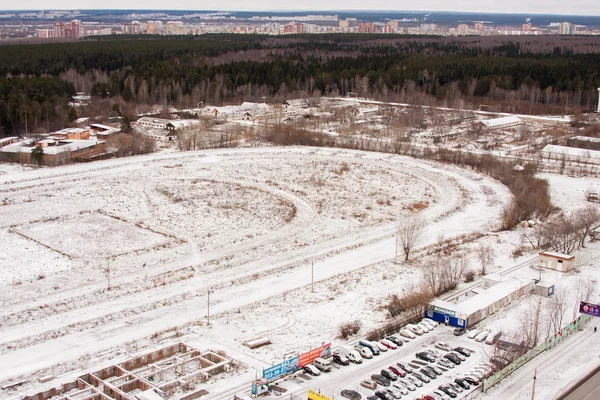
(573, 7)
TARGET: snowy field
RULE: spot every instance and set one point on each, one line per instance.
(245, 224)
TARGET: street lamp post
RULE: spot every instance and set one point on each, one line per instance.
(208, 306)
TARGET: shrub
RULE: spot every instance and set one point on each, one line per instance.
(349, 328)
(469, 276)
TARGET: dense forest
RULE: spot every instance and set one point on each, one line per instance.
(551, 74)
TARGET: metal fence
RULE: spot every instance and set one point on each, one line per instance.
(531, 354)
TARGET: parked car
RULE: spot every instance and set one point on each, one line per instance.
(431, 323)
(459, 331)
(402, 389)
(424, 327)
(452, 358)
(407, 334)
(340, 359)
(493, 338)
(473, 333)
(373, 397)
(389, 344)
(463, 351)
(460, 356)
(311, 370)
(445, 363)
(351, 394)
(423, 355)
(371, 346)
(477, 374)
(462, 383)
(381, 380)
(364, 352)
(435, 369)
(393, 392)
(389, 375)
(471, 379)
(441, 395)
(448, 390)
(383, 395)
(421, 377)
(369, 384)
(428, 372)
(482, 336)
(397, 341)
(443, 346)
(456, 388)
(408, 384)
(433, 352)
(414, 329)
(414, 380)
(323, 364)
(429, 397)
(398, 371)
(405, 367)
(382, 348)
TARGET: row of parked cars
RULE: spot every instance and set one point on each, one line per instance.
(489, 336)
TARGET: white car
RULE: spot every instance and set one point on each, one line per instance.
(404, 386)
(443, 346)
(445, 363)
(482, 336)
(380, 346)
(407, 368)
(414, 380)
(407, 334)
(441, 395)
(473, 333)
(392, 391)
(430, 323)
(423, 327)
(414, 329)
(312, 370)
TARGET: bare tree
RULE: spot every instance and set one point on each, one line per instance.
(556, 310)
(453, 272)
(485, 256)
(529, 321)
(409, 233)
(585, 221)
(433, 276)
(584, 289)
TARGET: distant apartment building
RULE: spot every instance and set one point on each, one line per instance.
(154, 27)
(566, 28)
(526, 27)
(344, 23)
(366, 27)
(428, 27)
(132, 28)
(478, 27)
(393, 24)
(173, 27)
(462, 30)
(293, 28)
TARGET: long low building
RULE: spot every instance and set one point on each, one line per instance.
(570, 154)
(497, 292)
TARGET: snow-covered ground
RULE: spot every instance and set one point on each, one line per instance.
(245, 223)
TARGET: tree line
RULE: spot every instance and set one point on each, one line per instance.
(547, 74)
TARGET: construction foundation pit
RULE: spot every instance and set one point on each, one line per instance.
(159, 374)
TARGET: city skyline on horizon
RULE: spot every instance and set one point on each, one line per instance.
(579, 8)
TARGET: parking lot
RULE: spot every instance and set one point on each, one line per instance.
(349, 377)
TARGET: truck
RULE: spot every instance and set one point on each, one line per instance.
(370, 345)
(350, 353)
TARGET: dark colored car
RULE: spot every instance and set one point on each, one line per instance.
(389, 375)
(434, 369)
(427, 372)
(462, 351)
(462, 383)
(459, 331)
(448, 390)
(452, 358)
(373, 398)
(397, 371)
(383, 395)
(397, 341)
(339, 360)
(422, 378)
(472, 380)
(351, 394)
(425, 356)
(381, 380)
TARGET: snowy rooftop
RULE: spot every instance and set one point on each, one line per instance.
(64, 145)
(497, 122)
(557, 255)
(7, 139)
(571, 151)
(586, 139)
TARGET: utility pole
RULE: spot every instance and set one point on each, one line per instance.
(312, 277)
(208, 307)
(108, 273)
(396, 256)
(533, 388)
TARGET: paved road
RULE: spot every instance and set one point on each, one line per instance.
(590, 390)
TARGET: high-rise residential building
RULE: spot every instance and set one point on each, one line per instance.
(566, 28)
(344, 23)
(463, 29)
(393, 24)
(366, 27)
(478, 27)
(526, 27)
(59, 29)
(73, 29)
(173, 27)
(154, 27)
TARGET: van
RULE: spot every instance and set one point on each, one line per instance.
(322, 364)
(373, 347)
(364, 351)
(352, 354)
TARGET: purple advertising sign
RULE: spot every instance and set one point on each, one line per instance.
(589, 308)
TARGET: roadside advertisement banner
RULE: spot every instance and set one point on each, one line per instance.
(589, 309)
(308, 357)
(312, 395)
(278, 370)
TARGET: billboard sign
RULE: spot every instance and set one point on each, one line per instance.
(308, 357)
(286, 367)
(312, 395)
(589, 309)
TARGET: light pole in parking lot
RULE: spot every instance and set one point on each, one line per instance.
(533, 389)
(208, 306)
(312, 277)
